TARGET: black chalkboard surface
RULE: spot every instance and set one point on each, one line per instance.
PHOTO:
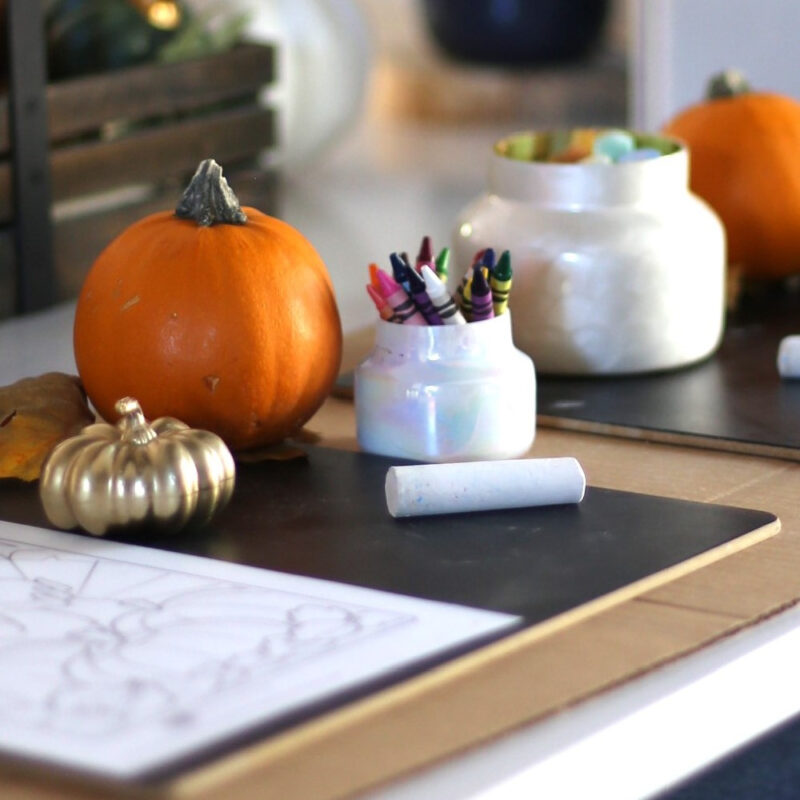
(325, 516)
(734, 400)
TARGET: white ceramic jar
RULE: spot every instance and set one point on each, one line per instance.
(618, 268)
(446, 392)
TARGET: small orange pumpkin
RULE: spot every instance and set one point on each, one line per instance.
(744, 149)
(220, 316)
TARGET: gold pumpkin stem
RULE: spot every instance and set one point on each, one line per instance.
(132, 424)
(209, 200)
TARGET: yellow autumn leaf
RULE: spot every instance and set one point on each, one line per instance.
(35, 415)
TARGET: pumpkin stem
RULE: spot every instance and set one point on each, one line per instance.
(133, 426)
(729, 83)
(208, 199)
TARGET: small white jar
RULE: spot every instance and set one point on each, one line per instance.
(446, 392)
(618, 268)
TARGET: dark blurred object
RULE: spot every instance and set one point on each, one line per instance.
(85, 36)
(518, 32)
(90, 36)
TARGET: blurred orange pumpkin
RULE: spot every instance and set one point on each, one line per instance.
(220, 316)
(744, 150)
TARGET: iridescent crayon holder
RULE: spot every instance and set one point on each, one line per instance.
(446, 392)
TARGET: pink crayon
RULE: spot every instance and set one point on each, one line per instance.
(481, 296)
(425, 255)
(381, 304)
(400, 303)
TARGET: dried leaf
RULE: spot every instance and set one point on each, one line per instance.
(282, 451)
(35, 415)
(287, 450)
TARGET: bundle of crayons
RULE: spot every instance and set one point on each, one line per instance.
(418, 295)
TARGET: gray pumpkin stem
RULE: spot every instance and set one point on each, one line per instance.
(729, 83)
(208, 199)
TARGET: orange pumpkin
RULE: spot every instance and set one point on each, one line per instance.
(222, 317)
(744, 149)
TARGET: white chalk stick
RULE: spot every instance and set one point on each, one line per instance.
(483, 485)
(789, 357)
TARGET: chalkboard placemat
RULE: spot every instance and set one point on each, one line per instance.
(324, 516)
(733, 401)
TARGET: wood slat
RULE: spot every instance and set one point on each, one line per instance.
(152, 154)
(84, 104)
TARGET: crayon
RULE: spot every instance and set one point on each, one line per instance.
(481, 296)
(425, 255)
(400, 270)
(444, 304)
(373, 275)
(402, 305)
(500, 282)
(488, 259)
(380, 303)
(466, 298)
(422, 301)
(476, 259)
(443, 264)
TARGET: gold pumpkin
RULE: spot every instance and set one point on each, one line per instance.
(134, 473)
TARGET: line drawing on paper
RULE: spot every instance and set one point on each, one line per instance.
(92, 647)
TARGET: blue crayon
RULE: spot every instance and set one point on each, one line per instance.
(422, 301)
(481, 296)
(400, 271)
(488, 259)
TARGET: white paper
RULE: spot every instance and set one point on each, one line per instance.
(118, 659)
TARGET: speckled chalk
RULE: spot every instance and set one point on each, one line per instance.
(789, 357)
(483, 486)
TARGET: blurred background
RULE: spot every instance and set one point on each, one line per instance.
(372, 122)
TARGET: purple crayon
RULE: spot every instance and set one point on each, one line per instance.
(402, 305)
(419, 295)
(481, 296)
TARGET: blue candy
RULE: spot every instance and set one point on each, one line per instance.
(613, 144)
(640, 154)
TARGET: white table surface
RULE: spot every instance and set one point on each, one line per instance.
(381, 190)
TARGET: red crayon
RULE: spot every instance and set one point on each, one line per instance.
(477, 258)
(425, 255)
(400, 303)
(380, 303)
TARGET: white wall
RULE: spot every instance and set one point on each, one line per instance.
(676, 45)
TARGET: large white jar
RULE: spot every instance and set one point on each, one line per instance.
(618, 268)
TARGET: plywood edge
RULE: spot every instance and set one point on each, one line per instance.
(669, 437)
(213, 780)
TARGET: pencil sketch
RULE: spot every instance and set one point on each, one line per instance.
(98, 646)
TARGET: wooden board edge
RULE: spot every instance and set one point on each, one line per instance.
(679, 438)
(261, 755)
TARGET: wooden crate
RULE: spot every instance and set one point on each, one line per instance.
(146, 126)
